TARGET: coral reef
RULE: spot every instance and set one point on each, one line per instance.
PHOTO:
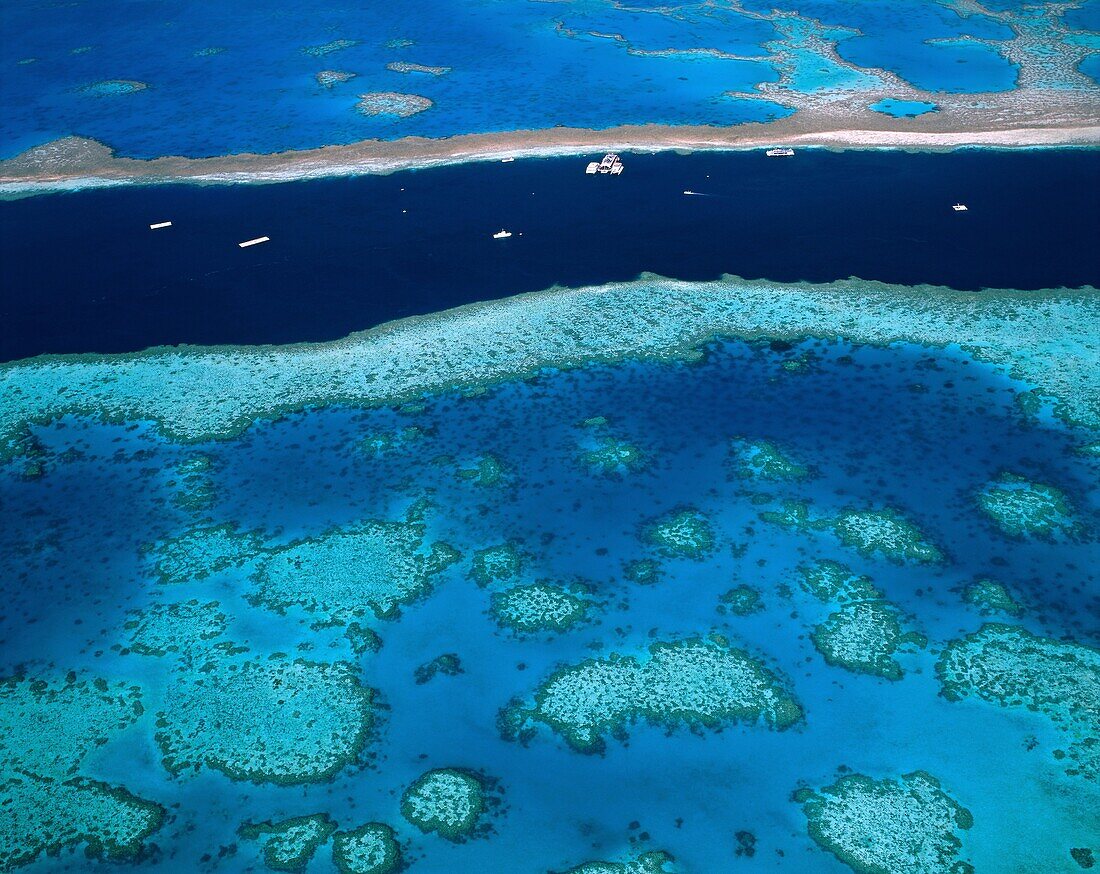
(991, 597)
(651, 862)
(275, 720)
(1008, 666)
(740, 601)
(360, 571)
(329, 78)
(289, 845)
(200, 552)
(447, 801)
(447, 664)
(863, 637)
(178, 628)
(681, 533)
(1021, 508)
(406, 67)
(370, 849)
(890, 825)
(540, 606)
(696, 682)
(497, 563)
(392, 103)
(328, 48)
(764, 460)
(48, 727)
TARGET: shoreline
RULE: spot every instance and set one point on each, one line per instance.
(75, 163)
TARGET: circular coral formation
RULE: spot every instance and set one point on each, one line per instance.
(740, 601)
(370, 849)
(991, 597)
(447, 801)
(682, 533)
(864, 637)
(272, 721)
(367, 570)
(1022, 508)
(763, 460)
(200, 552)
(1011, 667)
(174, 628)
(694, 682)
(289, 845)
(497, 563)
(48, 727)
(539, 607)
(885, 826)
(392, 103)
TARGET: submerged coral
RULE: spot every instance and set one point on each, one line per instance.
(289, 845)
(682, 533)
(447, 801)
(1022, 508)
(48, 727)
(864, 637)
(1011, 667)
(540, 606)
(275, 720)
(392, 103)
(695, 682)
(370, 849)
(890, 825)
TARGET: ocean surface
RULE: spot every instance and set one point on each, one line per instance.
(170, 78)
(83, 273)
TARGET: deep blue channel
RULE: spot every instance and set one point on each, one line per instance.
(82, 272)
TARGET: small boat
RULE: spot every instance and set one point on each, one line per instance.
(959, 207)
(593, 168)
(254, 242)
(779, 153)
(158, 225)
(502, 234)
(507, 160)
(616, 168)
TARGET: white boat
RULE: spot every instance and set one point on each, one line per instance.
(254, 242)
(779, 153)
(507, 160)
(616, 168)
(157, 225)
(502, 234)
(592, 168)
(959, 207)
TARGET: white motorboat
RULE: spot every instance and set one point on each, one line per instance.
(959, 207)
(592, 168)
(779, 153)
(502, 234)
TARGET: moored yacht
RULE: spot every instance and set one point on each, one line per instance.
(779, 153)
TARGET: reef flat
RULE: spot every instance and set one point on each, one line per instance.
(889, 825)
(291, 844)
(695, 682)
(1008, 666)
(197, 394)
(48, 728)
(447, 801)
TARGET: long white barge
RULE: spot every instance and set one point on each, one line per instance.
(157, 225)
(254, 242)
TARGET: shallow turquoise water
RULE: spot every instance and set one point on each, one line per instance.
(903, 108)
(221, 82)
(915, 429)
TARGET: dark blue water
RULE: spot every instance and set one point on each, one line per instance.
(82, 272)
